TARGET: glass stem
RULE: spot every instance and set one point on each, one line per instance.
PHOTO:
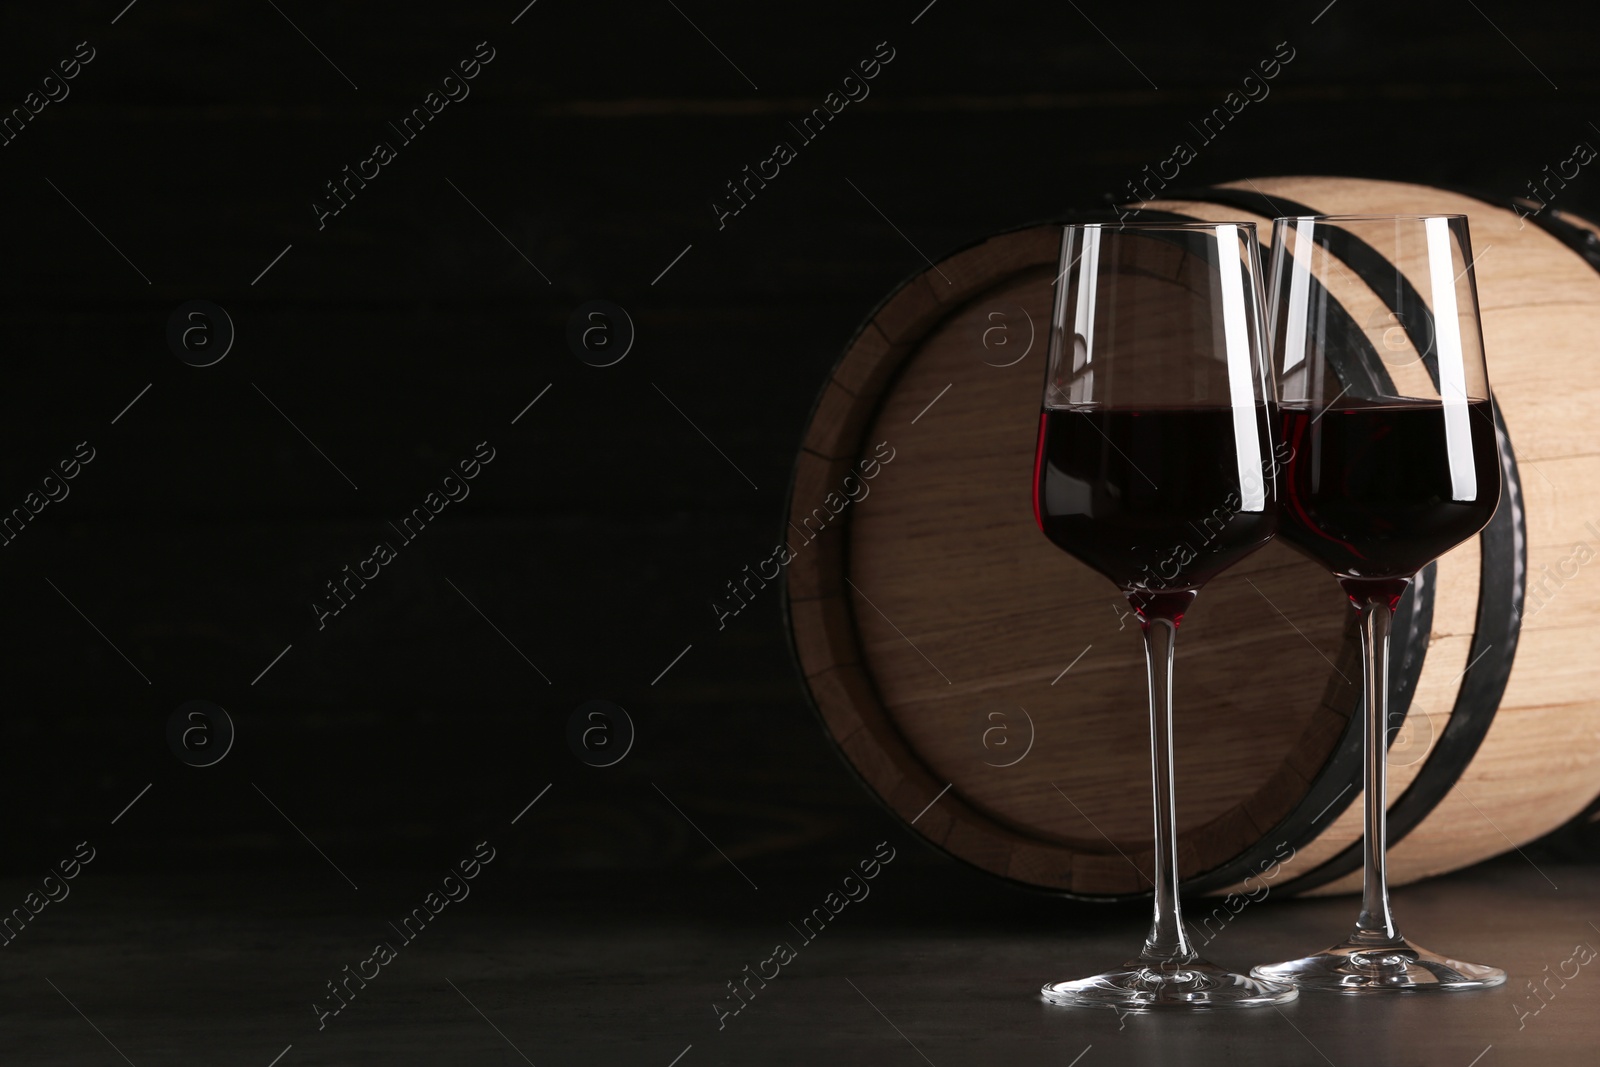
(1166, 943)
(1376, 923)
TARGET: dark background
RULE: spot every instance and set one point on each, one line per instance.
(408, 330)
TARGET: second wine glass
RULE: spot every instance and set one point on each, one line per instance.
(1393, 461)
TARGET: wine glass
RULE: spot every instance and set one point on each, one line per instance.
(1392, 461)
(1154, 467)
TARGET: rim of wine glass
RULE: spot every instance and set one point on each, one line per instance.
(1370, 218)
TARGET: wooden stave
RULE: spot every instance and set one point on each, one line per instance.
(896, 295)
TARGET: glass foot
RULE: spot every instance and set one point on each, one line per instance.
(1397, 967)
(1194, 986)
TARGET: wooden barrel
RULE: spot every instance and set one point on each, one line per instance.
(990, 689)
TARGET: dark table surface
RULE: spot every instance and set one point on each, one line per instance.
(937, 965)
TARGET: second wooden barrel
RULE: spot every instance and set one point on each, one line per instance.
(990, 689)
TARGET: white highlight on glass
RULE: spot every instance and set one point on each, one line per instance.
(1083, 322)
(1452, 367)
(1058, 318)
(1294, 338)
(1236, 333)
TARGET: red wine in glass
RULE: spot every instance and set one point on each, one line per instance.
(1093, 497)
(1372, 489)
